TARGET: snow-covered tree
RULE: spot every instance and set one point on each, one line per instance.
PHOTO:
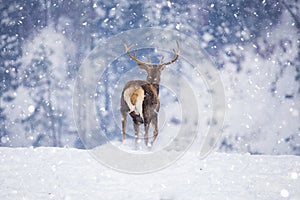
(10, 52)
(237, 22)
(16, 26)
(44, 42)
(293, 7)
(263, 98)
(38, 77)
(46, 78)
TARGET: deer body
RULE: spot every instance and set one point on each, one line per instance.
(140, 98)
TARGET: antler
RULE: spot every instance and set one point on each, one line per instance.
(139, 62)
(176, 55)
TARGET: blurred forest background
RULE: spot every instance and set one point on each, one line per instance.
(254, 43)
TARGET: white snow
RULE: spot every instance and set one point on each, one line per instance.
(56, 173)
(31, 108)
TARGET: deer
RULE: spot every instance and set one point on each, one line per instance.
(140, 98)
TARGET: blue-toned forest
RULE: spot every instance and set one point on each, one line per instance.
(255, 45)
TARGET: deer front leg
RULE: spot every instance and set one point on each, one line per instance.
(136, 127)
(124, 127)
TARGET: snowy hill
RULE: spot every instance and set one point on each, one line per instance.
(55, 173)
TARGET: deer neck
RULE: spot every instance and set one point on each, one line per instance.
(155, 86)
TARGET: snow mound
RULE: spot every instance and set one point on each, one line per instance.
(54, 173)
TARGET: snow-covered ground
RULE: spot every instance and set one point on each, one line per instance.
(56, 173)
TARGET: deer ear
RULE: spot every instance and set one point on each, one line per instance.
(142, 66)
(162, 67)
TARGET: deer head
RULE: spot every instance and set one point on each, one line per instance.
(153, 70)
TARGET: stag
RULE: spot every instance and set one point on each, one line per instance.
(140, 97)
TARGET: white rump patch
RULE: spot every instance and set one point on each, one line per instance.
(134, 97)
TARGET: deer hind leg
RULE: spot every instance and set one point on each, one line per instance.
(155, 128)
(136, 127)
(146, 137)
(147, 121)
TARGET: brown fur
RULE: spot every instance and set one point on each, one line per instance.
(151, 90)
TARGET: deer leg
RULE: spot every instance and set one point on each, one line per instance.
(124, 126)
(146, 138)
(155, 127)
(136, 127)
(147, 121)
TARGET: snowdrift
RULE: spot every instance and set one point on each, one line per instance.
(54, 173)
